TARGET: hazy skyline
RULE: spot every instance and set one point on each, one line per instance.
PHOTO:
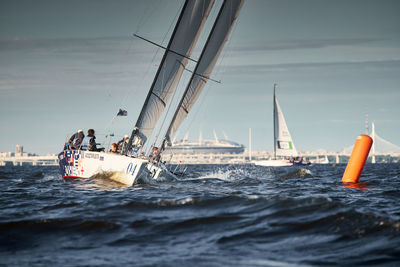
(71, 65)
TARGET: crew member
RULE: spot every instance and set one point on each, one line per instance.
(89, 142)
(123, 143)
(76, 139)
(114, 148)
(155, 156)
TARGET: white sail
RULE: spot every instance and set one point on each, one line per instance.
(209, 56)
(182, 42)
(283, 142)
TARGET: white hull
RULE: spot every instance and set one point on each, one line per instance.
(85, 164)
(273, 163)
(320, 160)
(154, 170)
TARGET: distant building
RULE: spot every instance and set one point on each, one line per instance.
(7, 154)
(19, 150)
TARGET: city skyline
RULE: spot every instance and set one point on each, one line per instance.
(72, 65)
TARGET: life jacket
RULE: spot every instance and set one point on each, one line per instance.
(156, 156)
(75, 139)
(86, 142)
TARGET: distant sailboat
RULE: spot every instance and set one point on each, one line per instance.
(284, 148)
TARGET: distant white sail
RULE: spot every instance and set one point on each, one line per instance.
(283, 142)
(182, 42)
(209, 56)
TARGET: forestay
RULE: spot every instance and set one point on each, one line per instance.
(284, 145)
(209, 56)
(181, 44)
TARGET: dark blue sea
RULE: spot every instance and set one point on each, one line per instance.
(215, 215)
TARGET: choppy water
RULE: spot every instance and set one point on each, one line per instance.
(214, 216)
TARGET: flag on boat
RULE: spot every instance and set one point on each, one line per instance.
(122, 112)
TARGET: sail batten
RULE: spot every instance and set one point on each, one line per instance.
(175, 59)
(208, 58)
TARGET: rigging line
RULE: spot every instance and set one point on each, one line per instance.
(201, 102)
(228, 50)
(123, 102)
(200, 75)
(141, 22)
(166, 33)
(165, 117)
(135, 131)
(107, 129)
(139, 25)
(163, 47)
(206, 90)
(146, 15)
(226, 53)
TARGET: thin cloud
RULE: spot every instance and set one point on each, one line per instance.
(303, 44)
(105, 45)
(262, 68)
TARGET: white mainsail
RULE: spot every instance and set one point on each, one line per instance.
(208, 58)
(182, 42)
(283, 142)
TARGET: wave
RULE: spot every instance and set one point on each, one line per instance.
(224, 173)
(299, 173)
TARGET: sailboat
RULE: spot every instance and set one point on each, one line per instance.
(284, 149)
(127, 167)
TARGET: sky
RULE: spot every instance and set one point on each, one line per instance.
(69, 65)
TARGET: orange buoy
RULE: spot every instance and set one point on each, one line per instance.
(357, 159)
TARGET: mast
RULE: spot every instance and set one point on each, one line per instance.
(283, 142)
(183, 39)
(212, 49)
(274, 114)
(373, 160)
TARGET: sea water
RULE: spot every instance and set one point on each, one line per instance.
(215, 215)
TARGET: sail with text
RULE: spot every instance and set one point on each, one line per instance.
(212, 49)
(175, 58)
(283, 142)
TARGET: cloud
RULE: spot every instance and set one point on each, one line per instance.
(302, 44)
(262, 68)
(100, 45)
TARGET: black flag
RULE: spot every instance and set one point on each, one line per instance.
(122, 112)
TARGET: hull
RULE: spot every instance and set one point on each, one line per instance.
(155, 170)
(85, 164)
(273, 163)
(280, 163)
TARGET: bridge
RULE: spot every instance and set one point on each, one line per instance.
(29, 160)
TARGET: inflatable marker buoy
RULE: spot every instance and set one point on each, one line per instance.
(357, 159)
